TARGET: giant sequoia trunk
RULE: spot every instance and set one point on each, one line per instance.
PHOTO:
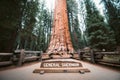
(60, 43)
(60, 38)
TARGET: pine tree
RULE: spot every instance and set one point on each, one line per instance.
(43, 27)
(112, 14)
(25, 37)
(75, 30)
(99, 34)
(9, 23)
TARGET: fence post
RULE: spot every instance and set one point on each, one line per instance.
(41, 52)
(92, 56)
(21, 58)
(81, 55)
(78, 52)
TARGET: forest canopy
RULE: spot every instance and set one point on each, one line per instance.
(26, 24)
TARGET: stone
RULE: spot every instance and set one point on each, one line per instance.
(42, 72)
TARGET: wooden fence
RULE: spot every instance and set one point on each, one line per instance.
(98, 57)
(6, 59)
(19, 57)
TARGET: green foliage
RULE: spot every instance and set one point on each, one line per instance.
(25, 38)
(9, 20)
(25, 24)
(100, 36)
(43, 27)
(75, 31)
(112, 12)
(36, 24)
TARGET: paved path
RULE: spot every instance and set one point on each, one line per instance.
(25, 73)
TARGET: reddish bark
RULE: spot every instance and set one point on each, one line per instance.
(60, 38)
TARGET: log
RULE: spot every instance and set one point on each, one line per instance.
(6, 54)
(86, 56)
(5, 63)
(110, 62)
(31, 58)
(108, 53)
(32, 52)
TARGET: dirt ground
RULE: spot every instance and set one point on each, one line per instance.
(26, 73)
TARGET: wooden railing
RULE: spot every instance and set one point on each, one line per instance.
(22, 56)
(98, 57)
(19, 57)
(6, 59)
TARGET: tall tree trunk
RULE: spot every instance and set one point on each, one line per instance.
(60, 38)
(11, 42)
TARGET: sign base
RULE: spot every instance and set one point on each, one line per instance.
(61, 70)
(61, 66)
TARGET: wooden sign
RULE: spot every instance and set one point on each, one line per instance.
(60, 64)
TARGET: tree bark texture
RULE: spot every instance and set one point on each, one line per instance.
(60, 38)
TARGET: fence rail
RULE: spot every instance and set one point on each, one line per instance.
(108, 53)
(27, 56)
(5, 54)
(3, 60)
(33, 52)
(97, 57)
(19, 57)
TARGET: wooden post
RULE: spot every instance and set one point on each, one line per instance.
(41, 56)
(92, 56)
(21, 58)
(81, 55)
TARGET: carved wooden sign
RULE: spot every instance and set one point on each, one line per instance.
(60, 64)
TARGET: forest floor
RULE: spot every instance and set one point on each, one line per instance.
(25, 72)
